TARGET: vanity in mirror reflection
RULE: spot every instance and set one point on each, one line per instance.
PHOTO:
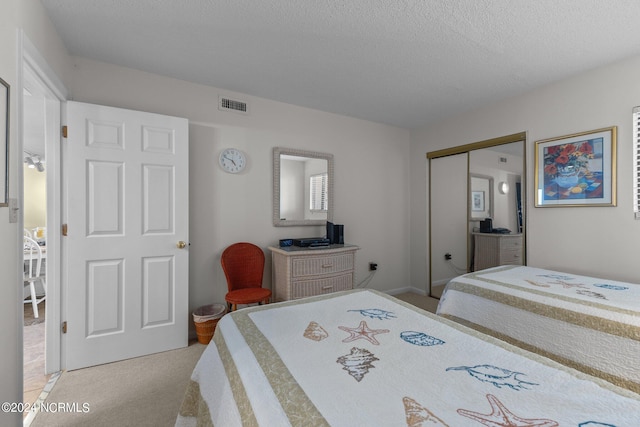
(302, 187)
(476, 208)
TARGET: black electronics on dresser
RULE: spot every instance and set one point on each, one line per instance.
(335, 233)
(486, 226)
(311, 242)
(286, 242)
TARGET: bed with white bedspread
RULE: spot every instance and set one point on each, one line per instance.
(590, 324)
(363, 358)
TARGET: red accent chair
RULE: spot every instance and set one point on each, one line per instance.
(243, 266)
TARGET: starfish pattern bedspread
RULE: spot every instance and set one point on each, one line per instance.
(363, 358)
(588, 323)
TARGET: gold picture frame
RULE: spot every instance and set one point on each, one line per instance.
(577, 169)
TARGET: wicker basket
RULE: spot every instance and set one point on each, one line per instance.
(205, 330)
(206, 319)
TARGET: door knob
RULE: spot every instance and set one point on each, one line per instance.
(181, 244)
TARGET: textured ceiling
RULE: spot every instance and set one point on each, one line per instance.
(407, 63)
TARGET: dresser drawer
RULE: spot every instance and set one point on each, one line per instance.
(304, 272)
(491, 250)
(314, 266)
(307, 288)
(511, 244)
(511, 257)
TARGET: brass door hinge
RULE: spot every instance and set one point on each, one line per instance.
(64, 131)
(64, 327)
(64, 229)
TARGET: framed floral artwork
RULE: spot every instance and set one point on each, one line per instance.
(577, 169)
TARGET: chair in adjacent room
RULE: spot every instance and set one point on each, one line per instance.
(243, 266)
(33, 274)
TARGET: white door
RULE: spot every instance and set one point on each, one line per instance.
(126, 293)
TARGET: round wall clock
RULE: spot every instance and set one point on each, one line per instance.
(232, 160)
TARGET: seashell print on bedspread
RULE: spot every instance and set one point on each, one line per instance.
(564, 281)
(375, 313)
(420, 338)
(499, 377)
(358, 362)
(620, 294)
(500, 416)
(315, 332)
(581, 315)
(417, 415)
(330, 362)
(363, 332)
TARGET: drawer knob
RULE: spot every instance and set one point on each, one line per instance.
(325, 288)
(327, 265)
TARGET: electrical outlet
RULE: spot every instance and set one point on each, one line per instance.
(448, 256)
(373, 266)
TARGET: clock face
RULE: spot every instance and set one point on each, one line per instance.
(232, 160)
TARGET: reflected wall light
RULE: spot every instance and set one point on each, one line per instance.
(503, 187)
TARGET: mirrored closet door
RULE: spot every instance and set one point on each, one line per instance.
(476, 205)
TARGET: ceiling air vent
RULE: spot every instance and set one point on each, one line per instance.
(228, 104)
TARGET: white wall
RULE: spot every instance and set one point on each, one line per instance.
(371, 172)
(599, 241)
(292, 182)
(35, 204)
(29, 16)
(10, 335)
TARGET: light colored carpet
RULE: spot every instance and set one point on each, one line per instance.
(146, 391)
(437, 291)
(422, 301)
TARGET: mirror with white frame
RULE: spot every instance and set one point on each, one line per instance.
(302, 187)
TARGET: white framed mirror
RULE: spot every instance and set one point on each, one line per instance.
(302, 187)
(480, 197)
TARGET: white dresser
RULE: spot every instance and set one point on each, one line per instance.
(303, 272)
(492, 250)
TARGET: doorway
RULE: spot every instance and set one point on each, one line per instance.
(39, 98)
(163, 220)
(34, 192)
